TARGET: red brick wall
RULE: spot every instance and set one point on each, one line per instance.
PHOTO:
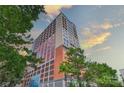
(58, 61)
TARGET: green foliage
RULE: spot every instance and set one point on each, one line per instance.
(15, 22)
(101, 74)
(95, 74)
(11, 65)
(74, 64)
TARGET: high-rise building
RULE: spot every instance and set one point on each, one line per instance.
(122, 73)
(51, 45)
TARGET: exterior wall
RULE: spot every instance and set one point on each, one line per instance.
(122, 73)
(51, 45)
(43, 47)
(69, 34)
(58, 61)
(58, 34)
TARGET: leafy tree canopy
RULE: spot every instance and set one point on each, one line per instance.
(87, 73)
(74, 63)
(101, 74)
(15, 22)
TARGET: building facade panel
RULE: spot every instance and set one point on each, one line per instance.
(58, 33)
(58, 61)
(51, 45)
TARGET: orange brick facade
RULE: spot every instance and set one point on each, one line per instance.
(58, 60)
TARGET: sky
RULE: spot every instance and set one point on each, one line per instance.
(100, 30)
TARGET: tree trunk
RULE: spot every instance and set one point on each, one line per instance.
(65, 79)
(79, 81)
(12, 84)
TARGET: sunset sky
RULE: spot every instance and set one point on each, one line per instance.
(100, 30)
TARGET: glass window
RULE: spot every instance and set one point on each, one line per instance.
(46, 79)
(41, 76)
(51, 72)
(38, 72)
(51, 62)
(51, 67)
(47, 64)
(43, 66)
(46, 74)
(46, 69)
(41, 80)
(51, 78)
(42, 70)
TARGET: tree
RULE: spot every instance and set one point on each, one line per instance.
(101, 75)
(74, 64)
(15, 23)
(87, 73)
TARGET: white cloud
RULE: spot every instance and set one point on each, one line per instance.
(55, 9)
(118, 24)
(106, 25)
(95, 34)
(95, 40)
(104, 48)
